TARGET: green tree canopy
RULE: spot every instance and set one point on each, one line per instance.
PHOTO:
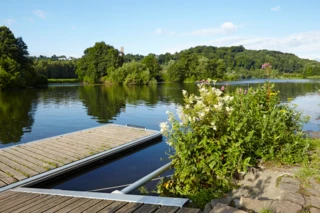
(16, 69)
(96, 61)
(152, 64)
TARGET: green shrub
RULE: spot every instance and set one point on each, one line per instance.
(220, 134)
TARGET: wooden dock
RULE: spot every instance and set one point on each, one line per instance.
(15, 201)
(46, 158)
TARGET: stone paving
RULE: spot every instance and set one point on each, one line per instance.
(270, 191)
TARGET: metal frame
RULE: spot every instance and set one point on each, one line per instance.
(165, 201)
(85, 161)
(143, 180)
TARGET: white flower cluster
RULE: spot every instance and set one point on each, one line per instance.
(164, 128)
(210, 103)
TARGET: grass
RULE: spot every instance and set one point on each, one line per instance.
(311, 168)
(267, 210)
(66, 80)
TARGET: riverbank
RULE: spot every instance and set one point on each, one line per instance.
(275, 189)
(67, 80)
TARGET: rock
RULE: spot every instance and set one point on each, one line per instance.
(223, 208)
(314, 192)
(289, 180)
(207, 208)
(255, 204)
(285, 207)
(314, 210)
(307, 201)
(315, 201)
(223, 200)
(293, 197)
(237, 203)
(288, 187)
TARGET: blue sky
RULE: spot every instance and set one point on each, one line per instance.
(69, 27)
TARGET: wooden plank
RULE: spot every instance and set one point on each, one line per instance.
(114, 128)
(105, 140)
(74, 143)
(125, 132)
(6, 194)
(113, 207)
(189, 210)
(47, 154)
(41, 198)
(85, 206)
(13, 202)
(25, 170)
(6, 178)
(62, 205)
(147, 208)
(52, 151)
(7, 199)
(38, 156)
(76, 148)
(43, 204)
(89, 141)
(56, 144)
(96, 208)
(52, 204)
(167, 209)
(58, 150)
(80, 140)
(21, 205)
(28, 164)
(130, 207)
(16, 174)
(119, 135)
(2, 183)
(29, 158)
(73, 205)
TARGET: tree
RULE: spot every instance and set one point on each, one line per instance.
(16, 69)
(152, 64)
(96, 61)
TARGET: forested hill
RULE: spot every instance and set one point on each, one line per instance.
(237, 57)
(232, 63)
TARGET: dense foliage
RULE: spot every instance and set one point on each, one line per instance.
(231, 63)
(219, 134)
(60, 69)
(96, 61)
(16, 69)
(57, 67)
(131, 73)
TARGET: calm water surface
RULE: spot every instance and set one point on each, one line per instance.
(34, 114)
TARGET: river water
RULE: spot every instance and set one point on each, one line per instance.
(32, 114)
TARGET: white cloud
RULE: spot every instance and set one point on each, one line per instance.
(305, 44)
(9, 21)
(29, 19)
(275, 9)
(160, 31)
(225, 28)
(41, 14)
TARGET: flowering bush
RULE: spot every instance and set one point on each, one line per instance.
(219, 134)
